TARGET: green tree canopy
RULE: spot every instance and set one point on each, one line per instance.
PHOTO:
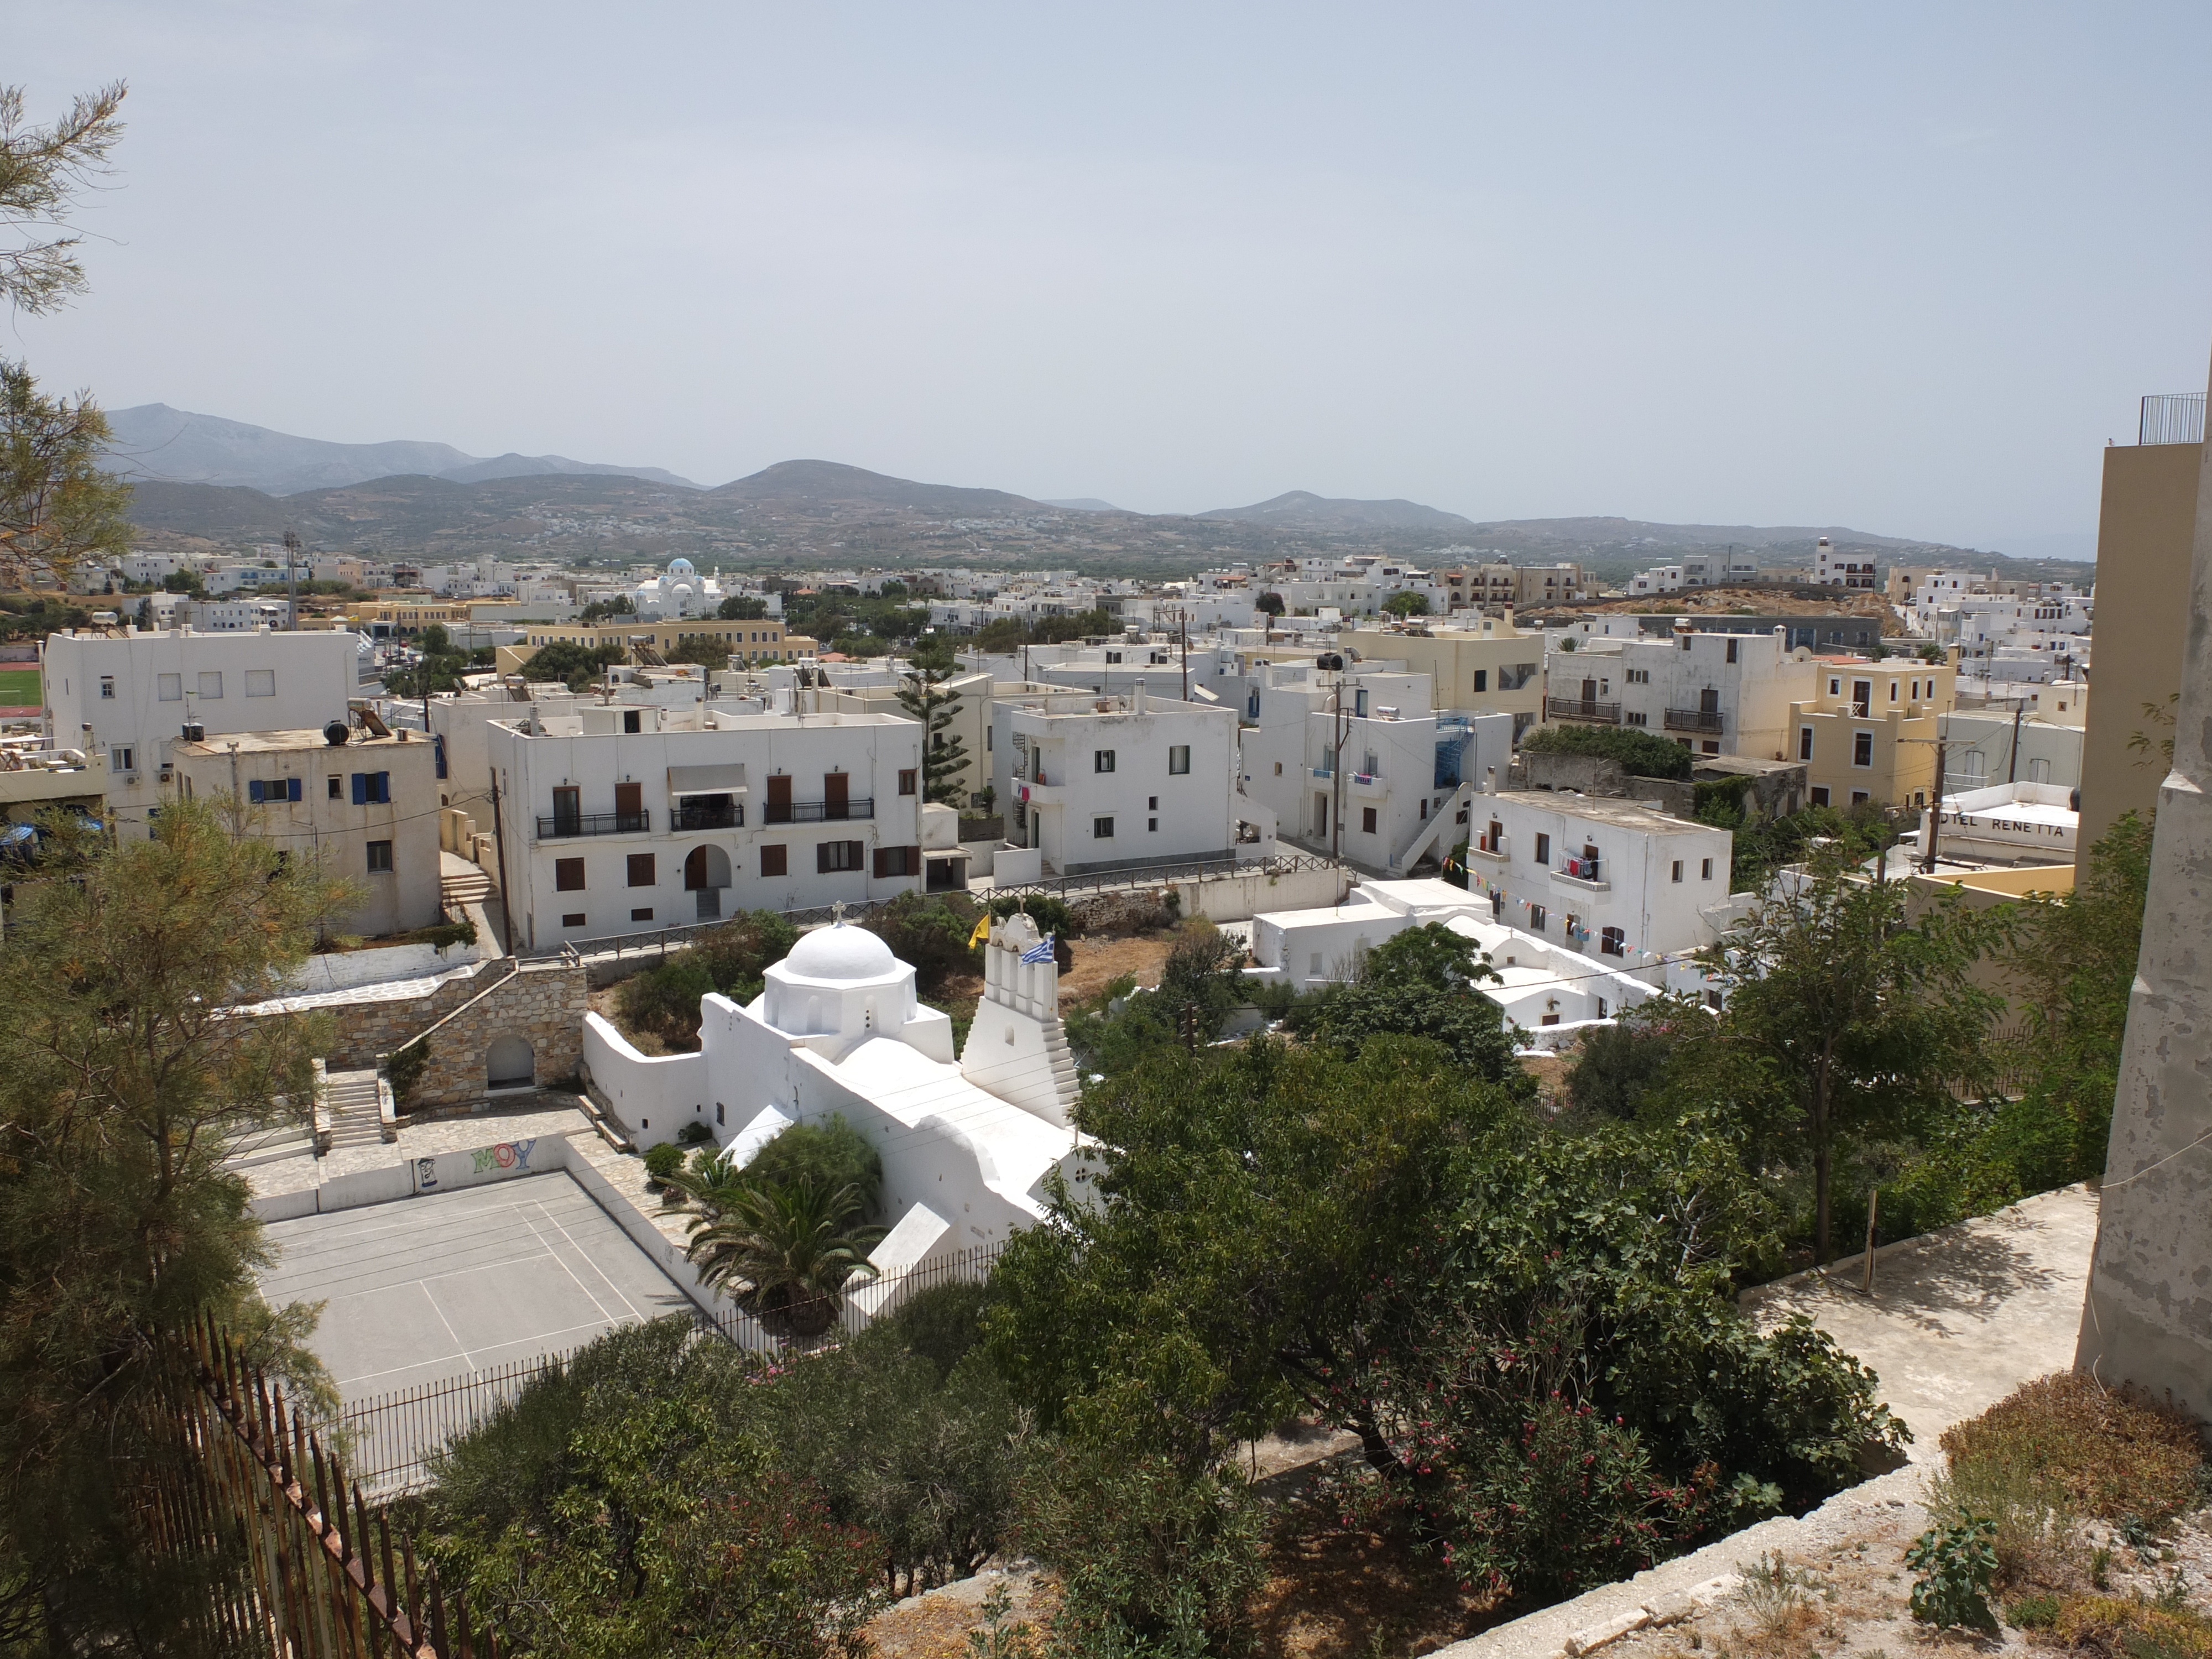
(1640, 753)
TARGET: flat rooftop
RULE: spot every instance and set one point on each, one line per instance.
(1600, 809)
(254, 742)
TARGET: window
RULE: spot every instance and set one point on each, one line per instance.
(1678, 869)
(633, 721)
(337, 790)
(1863, 749)
(1102, 760)
(1482, 679)
(640, 871)
(898, 860)
(1893, 690)
(1367, 820)
(1638, 676)
(1859, 797)
(379, 858)
(1102, 829)
(1861, 697)
(1705, 870)
(107, 687)
(1804, 743)
(1543, 849)
(1835, 688)
(1710, 746)
(573, 919)
(1611, 942)
(1820, 794)
(833, 857)
(567, 875)
(906, 780)
(372, 788)
(1151, 803)
(1731, 650)
(644, 914)
(775, 861)
(1153, 824)
(1686, 642)
(126, 759)
(1535, 918)
(170, 688)
(1178, 760)
(1279, 768)
(1713, 999)
(260, 682)
(1634, 717)
(211, 683)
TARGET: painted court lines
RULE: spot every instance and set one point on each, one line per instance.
(432, 1288)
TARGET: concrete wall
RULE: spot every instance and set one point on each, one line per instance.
(2149, 1318)
(1238, 898)
(2146, 528)
(342, 970)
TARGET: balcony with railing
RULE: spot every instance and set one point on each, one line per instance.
(1707, 721)
(708, 815)
(1581, 709)
(819, 811)
(563, 824)
(2173, 418)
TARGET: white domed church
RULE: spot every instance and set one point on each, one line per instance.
(966, 1142)
(679, 591)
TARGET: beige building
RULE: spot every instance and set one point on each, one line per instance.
(367, 807)
(392, 619)
(1492, 667)
(1869, 733)
(2146, 529)
(749, 643)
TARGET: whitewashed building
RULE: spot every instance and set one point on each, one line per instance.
(1110, 783)
(132, 695)
(1716, 694)
(1614, 880)
(966, 1142)
(620, 819)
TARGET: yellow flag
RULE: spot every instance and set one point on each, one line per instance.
(982, 930)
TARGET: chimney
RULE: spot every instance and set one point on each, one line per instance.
(1137, 701)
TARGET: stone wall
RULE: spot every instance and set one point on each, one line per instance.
(543, 1004)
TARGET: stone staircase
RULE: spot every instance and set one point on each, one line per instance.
(1063, 1064)
(352, 1101)
(270, 1145)
(462, 886)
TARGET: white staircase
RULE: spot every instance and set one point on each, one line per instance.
(461, 884)
(1063, 1064)
(355, 1118)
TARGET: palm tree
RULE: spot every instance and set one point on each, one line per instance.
(782, 1253)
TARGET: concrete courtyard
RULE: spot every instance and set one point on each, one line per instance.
(439, 1287)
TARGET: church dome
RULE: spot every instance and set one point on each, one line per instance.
(678, 567)
(840, 953)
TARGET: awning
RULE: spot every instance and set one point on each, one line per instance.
(729, 779)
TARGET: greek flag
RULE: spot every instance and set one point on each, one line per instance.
(1041, 952)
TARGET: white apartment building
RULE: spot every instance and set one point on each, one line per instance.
(367, 807)
(1370, 773)
(970, 722)
(1109, 782)
(1618, 881)
(235, 615)
(132, 695)
(1987, 746)
(1717, 693)
(1839, 569)
(619, 819)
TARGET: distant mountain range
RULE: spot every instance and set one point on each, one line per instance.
(205, 481)
(156, 442)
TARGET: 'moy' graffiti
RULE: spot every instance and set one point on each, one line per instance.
(485, 1163)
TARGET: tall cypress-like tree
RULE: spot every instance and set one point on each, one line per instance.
(943, 751)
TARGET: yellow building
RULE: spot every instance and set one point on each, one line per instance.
(390, 619)
(1481, 666)
(1869, 733)
(760, 640)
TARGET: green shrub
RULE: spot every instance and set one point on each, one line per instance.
(927, 934)
(664, 1160)
(2110, 1455)
(1954, 1562)
(1051, 915)
(2032, 1612)
(1149, 1561)
(942, 1324)
(403, 1070)
(663, 1001)
(1640, 753)
(826, 1153)
(694, 1134)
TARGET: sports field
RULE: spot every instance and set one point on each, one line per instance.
(19, 688)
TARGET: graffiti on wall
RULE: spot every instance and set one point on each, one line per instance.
(508, 1157)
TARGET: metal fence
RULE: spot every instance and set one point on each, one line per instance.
(391, 1437)
(300, 1568)
(2173, 418)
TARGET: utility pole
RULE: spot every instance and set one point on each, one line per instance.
(2012, 764)
(292, 579)
(1183, 622)
(1934, 811)
(498, 844)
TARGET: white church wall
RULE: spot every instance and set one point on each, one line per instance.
(653, 1096)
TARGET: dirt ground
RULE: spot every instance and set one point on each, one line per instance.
(1100, 962)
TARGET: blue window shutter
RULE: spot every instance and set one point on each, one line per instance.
(438, 746)
(384, 785)
(360, 789)
(292, 788)
(254, 791)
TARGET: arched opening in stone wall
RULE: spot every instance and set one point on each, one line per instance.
(508, 1064)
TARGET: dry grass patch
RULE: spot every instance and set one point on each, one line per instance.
(2099, 1453)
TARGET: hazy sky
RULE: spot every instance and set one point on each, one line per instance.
(1906, 268)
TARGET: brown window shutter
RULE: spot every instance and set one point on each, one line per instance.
(883, 862)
